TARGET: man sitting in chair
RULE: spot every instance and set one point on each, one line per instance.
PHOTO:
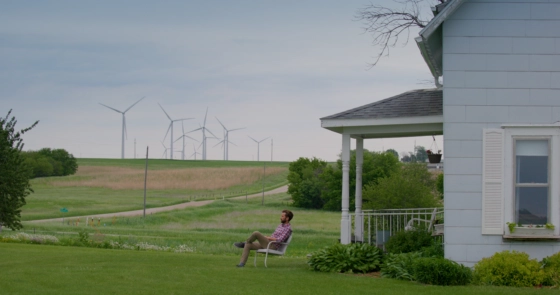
(280, 235)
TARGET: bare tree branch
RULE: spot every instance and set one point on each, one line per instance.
(386, 24)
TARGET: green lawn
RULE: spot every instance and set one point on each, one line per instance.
(39, 269)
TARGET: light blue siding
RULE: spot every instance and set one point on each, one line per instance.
(527, 80)
(462, 96)
(463, 217)
(504, 97)
(463, 131)
(545, 11)
(486, 114)
(463, 166)
(462, 44)
(509, 62)
(501, 65)
(528, 115)
(534, 45)
(463, 201)
(463, 148)
(490, 45)
(464, 183)
(480, 79)
(454, 113)
(485, 11)
(468, 62)
(549, 63)
(545, 28)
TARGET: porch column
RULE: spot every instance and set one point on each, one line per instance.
(345, 222)
(359, 223)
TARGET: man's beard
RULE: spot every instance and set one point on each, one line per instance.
(283, 220)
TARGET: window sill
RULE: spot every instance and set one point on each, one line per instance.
(530, 237)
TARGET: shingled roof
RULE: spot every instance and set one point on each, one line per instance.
(422, 102)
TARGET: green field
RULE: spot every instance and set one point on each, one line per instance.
(49, 198)
(208, 267)
(210, 229)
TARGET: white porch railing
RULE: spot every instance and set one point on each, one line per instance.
(376, 226)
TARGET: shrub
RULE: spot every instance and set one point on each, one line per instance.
(507, 268)
(440, 271)
(346, 258)
(83, 237)
(399, 266)
(409, 241)
(434, 250)
(413, 186)
(551, 267)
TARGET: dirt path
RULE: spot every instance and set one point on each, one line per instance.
(281, 189)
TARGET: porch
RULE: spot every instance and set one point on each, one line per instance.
(410, 114)
(375, 227)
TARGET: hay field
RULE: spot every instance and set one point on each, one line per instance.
(199, 179)
(114, 185)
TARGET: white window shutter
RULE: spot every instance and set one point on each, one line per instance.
(492, 182)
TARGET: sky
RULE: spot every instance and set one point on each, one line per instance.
(273, 68)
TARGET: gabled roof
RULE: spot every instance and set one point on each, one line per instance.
(413, 113)
(430, 41)
(422, 102)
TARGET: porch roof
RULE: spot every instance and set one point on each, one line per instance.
(413, 113)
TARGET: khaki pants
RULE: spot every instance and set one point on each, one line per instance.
(250, 244)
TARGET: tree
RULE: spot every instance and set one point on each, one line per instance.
(47, 162)
(67, 164)
(421, 155)
(409, 157)
(388, 24)
(412, 187)
(14, 174)
(394, 152)
(375, 166)
(304, 183)
(439, 185)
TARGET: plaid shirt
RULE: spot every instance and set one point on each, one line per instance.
(281, 234)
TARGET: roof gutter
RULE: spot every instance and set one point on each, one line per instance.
(430, 39)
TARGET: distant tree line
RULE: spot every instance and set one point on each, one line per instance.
(387, 183)
(419, 155)
(50, 162)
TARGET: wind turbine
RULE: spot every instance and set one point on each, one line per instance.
(171, 128)
(226, 139)
(183, 137)
(195, 152)
(124, 133)
(164, 154)
(204, 129)
(258, 146)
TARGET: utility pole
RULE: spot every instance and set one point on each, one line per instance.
(134, 148)
(264, 174)
(145, 181)
(271, 149)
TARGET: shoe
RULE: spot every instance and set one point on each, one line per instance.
(240, 265)
(239, 244)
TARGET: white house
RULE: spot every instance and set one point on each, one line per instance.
(500, 63)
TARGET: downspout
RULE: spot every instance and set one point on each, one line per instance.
(425, 52)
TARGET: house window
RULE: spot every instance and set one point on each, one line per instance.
(532, 181)
(520, 177)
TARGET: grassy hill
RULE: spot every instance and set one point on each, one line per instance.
(114, 185)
